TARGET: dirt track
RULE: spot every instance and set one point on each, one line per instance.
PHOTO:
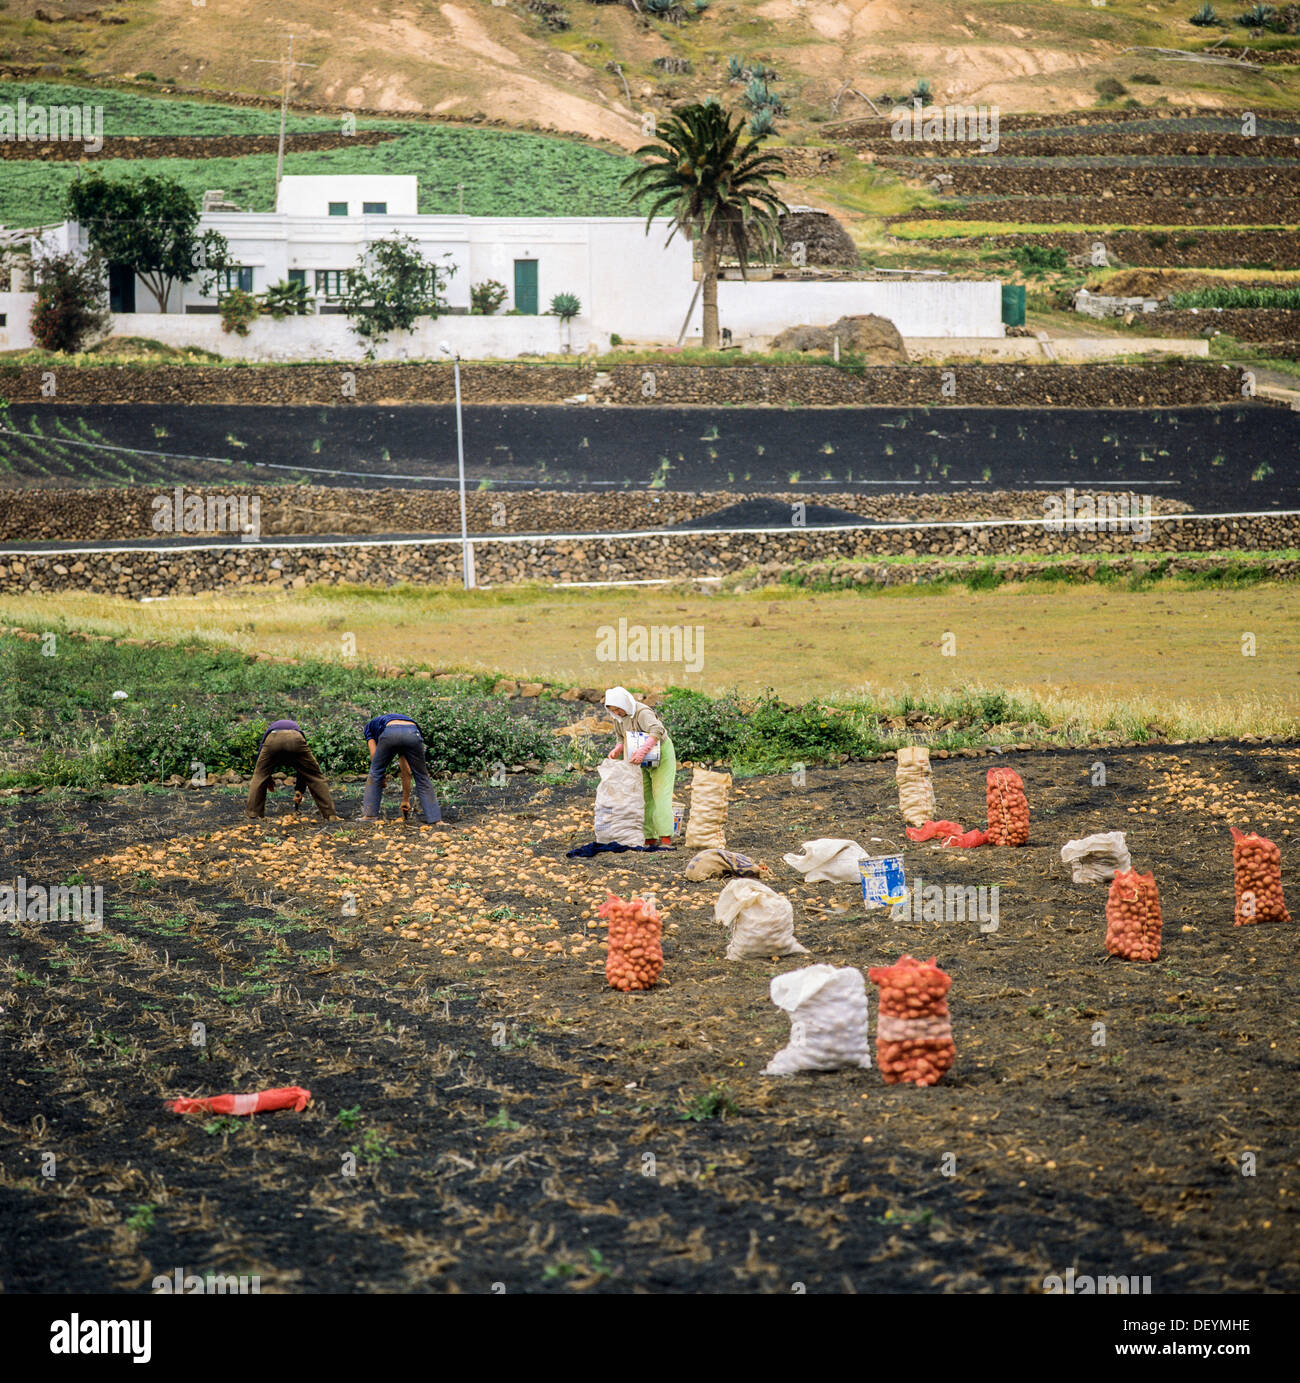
(558, 1158)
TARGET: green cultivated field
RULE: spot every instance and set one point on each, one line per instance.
(504, 173)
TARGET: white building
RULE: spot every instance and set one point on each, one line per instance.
(629, 282)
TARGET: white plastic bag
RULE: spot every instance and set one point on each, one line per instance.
(636, 739)
(828, 1020)
(761, 921)
(1096, 859)
(915, 786)
(828, 861)
(620, 804)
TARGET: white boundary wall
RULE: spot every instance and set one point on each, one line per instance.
(331, 338)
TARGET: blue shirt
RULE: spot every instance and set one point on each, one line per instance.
(378, 724)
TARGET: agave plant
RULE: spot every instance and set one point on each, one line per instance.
(736, 69)
(922, 91)
(1206, 16)
(761, 123)
(1256, 17)
(756, 94)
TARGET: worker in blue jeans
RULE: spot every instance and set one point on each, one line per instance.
(387, 737)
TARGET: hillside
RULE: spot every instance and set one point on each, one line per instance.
(512, 62)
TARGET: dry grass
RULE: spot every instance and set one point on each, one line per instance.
(1168, 653)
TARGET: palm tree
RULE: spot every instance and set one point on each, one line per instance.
(715, 188)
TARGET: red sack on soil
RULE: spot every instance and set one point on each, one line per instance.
(289, 1097)
(636, 958)
(952, 833)
(913, 1032)
(1257, 880)
(1008, 807)
(1133, 916)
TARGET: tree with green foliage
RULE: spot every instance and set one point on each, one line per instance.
(150, 225)
(392, 287)
(71, 307)
(715, 187)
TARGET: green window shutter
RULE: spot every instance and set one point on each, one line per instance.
(526, 287)
(338, 208)
(298, 276)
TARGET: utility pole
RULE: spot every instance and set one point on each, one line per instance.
(289, 65)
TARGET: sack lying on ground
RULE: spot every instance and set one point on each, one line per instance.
(948, 833)
(828, 861)
(620, 804)
(913, 1031)
(719, 864)
(915, 785)
(635, 958)
(1095, 859)
(706, 826)
(1257, 880)
(828, 1020)
(1133, 919)
(286, 1097)
(761, 921)
(1008, 807)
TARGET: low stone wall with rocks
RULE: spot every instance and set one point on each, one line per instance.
(671, 556)
(1011, 385)
(122, 514)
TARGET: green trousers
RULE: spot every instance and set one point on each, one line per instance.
(659, 783)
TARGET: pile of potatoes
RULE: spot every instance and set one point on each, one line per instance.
(636, 957)
(913, 1032)
(1133, 920)
(1257, 880)
(1008, 807)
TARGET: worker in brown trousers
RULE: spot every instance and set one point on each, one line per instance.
(285, 746)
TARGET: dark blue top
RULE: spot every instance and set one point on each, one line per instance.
(378, 724)
(279, 725)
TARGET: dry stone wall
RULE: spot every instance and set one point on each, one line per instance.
(673, 556)
(1009, 385)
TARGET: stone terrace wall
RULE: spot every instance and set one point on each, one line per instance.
(122, 514)
(1010, 385)
(672, 556)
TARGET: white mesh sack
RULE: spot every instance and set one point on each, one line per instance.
(828, 861)
(828, 1020)
(620, 804)
(761, 921)
(915, 786)
(1095, 859)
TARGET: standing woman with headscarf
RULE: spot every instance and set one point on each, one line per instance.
(630, 714)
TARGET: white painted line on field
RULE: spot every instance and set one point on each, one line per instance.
(310, 543)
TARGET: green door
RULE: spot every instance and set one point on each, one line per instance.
(526, 287)
(1013, 304)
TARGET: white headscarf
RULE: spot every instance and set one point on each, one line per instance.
(622, 698)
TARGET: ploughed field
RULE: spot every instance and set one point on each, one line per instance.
(509, 1119)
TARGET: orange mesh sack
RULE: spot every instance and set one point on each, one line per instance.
(635, 959)
(1257, 880)
(1133, 916)
(913, 1031)
(1008, 807)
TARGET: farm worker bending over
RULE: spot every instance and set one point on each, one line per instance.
(285, 746)
(631, 714)
(389, 736)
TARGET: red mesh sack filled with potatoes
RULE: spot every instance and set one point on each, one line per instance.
(1257, 880)
(635, 959)
(913, 1032)
(1008, 807)
(1133, 916)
